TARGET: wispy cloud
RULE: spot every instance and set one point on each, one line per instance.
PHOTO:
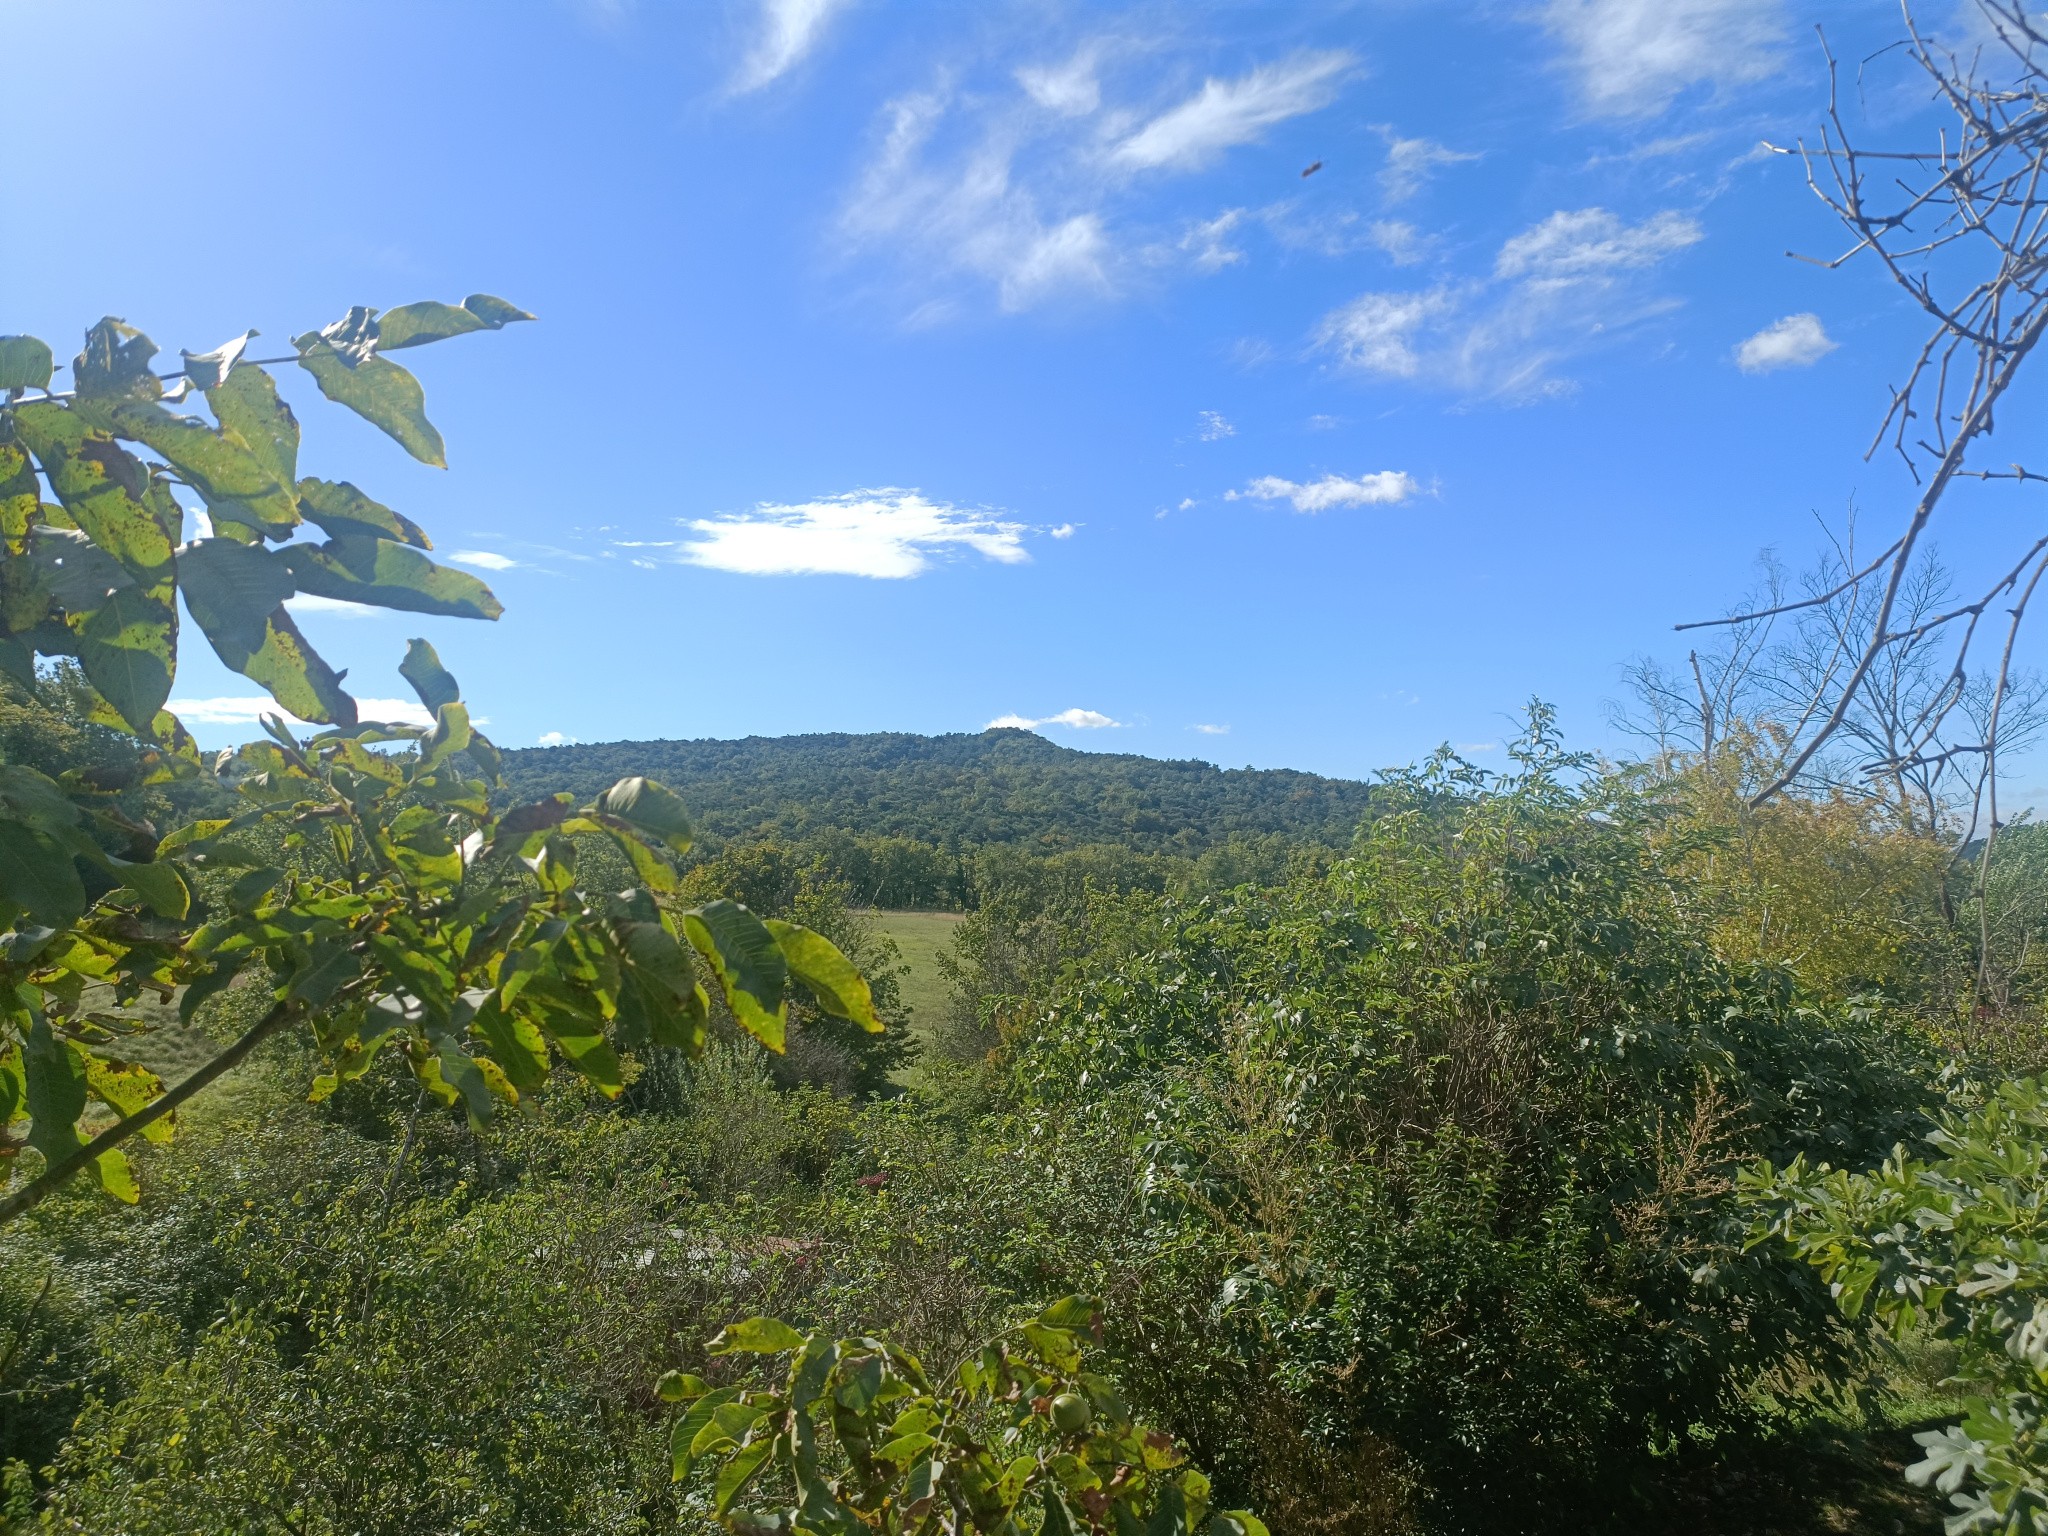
(1411, 163)
(1034, 184)
(1556, 289)
(1592, 241)
(1211, 730)
(1215, 427)
(1797, 341)
(1226, 113)
(1631, 57)
(1073, 719)
(886, 533)
(1063, 531)
(787, 31)
(483, 559)
(1207, 242)
(249, 711)
(1388, 487)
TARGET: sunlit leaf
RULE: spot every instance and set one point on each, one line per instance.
(379, 391)
(128, 647)
(115, 363)
(749, 965)
(209, 370)
(236, 595)
(102, 485)
(816, 961)
(385, 574)
(757, 1336)
(25, 363)
(251, 411)
(345, 512)
(651, 807)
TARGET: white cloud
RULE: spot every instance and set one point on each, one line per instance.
(1214, 427)
(250, 711)
(1322, 423)
(1064, 531)
(1402, 243)
(971, 215)
(883, 533)
(1204, 241)
(1226, 113)
(1074, 719)
(555, 739)
(1411, 162)
(1797, 341)
(306, 603)
(1388, 487)
(1027, 183)
(1211, 730)
(1569, 283)
(789, 29)
(1377, 332)
(483, 559)
(1592, 240)
(1070, 89)
(1632, 56)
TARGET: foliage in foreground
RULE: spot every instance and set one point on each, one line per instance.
(1954, 1244)
(858, 1438)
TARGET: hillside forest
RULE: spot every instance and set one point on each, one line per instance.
(846, 1134)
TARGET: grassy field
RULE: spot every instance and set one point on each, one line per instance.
(922, 936)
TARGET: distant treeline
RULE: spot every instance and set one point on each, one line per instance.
(904, 815)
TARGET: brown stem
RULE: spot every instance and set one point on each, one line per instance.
(45, 1183)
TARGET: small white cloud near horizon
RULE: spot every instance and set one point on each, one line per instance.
(1633, 56)
(1211, 730)
(1215, 426)
(789, 29)
(250, 711)
(886, 533)
(555, 739)
(1226, 113)
(483, 559)
(1797, 341)
(1387, 488)
(1073, 719)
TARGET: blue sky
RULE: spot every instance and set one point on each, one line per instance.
(912, 367)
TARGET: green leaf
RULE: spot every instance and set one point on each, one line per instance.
(220, 467)
(128, 647)
(817, 962)
(450, 735)
(210, 983)
(652, 808)
(235, 593)
(749, 965)
(379, 391)
(413, 325)
(1069, 1312)
(757, 1336)
(495, 312)
(250, 411)
(687, 1427)
(21, 495)
(434, 683)
(102, 486)
(345, 512)
(386, 574)
(25, 363)
(734, 1476)
(37, 875)
(159, 885)
(55, 1073)
(680, 1387)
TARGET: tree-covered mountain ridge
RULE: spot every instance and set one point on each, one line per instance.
(1001, 786)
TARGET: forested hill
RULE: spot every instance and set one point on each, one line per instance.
(1001, 786)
